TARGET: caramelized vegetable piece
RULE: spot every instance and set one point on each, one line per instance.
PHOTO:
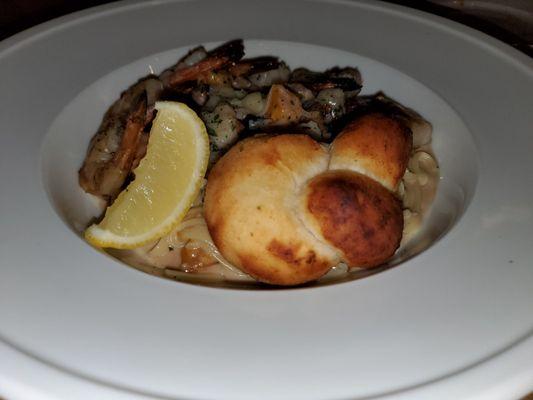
(194, 258)
(283, 106)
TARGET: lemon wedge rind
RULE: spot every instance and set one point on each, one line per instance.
(167, 181)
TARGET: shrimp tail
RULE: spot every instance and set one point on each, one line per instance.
(226, 54)
(135, 123)
(104, 174)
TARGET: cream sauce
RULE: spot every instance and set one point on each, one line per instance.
(419, 184)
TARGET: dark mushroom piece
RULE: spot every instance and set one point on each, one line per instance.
(317, 81)
(248, 66)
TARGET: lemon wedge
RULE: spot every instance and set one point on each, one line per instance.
(166, 182)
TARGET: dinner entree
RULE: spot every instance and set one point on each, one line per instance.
(243, 169)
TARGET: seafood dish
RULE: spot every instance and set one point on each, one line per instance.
(306, 179)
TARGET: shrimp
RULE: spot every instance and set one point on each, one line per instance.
(120, 141)
(222, 56)
(114, 149)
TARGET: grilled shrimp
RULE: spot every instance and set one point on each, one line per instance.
(218, 58)
(120, 141)
(114, 149)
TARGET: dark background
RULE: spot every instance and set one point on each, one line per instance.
(508, 20)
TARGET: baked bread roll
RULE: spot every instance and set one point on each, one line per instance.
(286, 210)
(250, 203)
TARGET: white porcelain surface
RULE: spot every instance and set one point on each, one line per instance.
(454, 322)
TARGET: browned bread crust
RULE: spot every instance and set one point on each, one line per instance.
(356, 215)
(375, 145)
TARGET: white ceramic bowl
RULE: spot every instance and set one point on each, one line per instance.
(453, 322)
